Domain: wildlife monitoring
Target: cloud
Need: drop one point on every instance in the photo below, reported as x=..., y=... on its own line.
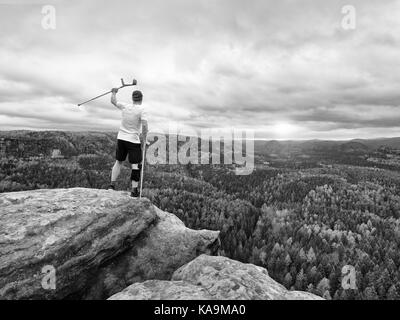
x=205, y=64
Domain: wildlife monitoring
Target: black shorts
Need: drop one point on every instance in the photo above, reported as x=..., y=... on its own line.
x=126, y=148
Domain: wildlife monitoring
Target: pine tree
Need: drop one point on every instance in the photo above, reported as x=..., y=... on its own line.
x=327, y=295
x=370, y=294
x=288, y=280
x=288, y=260
x=323, y=286
x=300, y=280
x=302, y=254
x=392, y=293
x=311, y=255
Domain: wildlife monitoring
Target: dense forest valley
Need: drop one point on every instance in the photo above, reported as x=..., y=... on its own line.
x=308, y=209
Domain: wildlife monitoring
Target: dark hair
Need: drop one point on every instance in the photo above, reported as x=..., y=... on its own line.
x=137, y=96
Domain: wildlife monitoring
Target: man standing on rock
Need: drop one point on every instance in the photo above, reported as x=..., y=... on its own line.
x=134, y=120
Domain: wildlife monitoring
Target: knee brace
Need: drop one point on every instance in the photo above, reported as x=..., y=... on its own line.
x=135, y=175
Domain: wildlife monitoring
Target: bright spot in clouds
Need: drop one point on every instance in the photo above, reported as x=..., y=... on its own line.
x=284, y=130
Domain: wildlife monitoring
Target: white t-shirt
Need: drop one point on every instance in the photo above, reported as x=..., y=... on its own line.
x=132, y=117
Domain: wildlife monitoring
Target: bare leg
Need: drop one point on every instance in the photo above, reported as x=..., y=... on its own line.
x=116, y=170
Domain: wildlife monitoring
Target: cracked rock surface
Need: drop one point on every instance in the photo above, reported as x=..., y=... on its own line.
x=98, y=242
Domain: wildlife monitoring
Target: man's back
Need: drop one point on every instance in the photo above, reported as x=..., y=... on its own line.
x=132, y=117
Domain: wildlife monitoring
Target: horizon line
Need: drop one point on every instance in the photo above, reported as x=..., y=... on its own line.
x=255, y=139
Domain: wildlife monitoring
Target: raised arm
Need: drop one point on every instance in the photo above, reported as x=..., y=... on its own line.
x=114, y=98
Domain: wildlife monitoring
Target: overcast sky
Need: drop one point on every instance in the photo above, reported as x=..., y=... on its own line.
x=286, y=69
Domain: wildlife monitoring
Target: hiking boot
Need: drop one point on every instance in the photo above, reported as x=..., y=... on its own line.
x=135, y=193
x=111, y=187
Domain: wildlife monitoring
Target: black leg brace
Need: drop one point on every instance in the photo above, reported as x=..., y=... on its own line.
x=135, y=175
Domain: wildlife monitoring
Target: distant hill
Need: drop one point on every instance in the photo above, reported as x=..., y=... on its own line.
x=376, y=143
x=34, y=143
x=24, y=144
x=324, y=146
x=354, y=146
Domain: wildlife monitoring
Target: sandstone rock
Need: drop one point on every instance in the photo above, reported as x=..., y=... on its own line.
x=215, y=278
x=224, y=278
x=162, y=290
x=98, y=241
x=156, y=255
